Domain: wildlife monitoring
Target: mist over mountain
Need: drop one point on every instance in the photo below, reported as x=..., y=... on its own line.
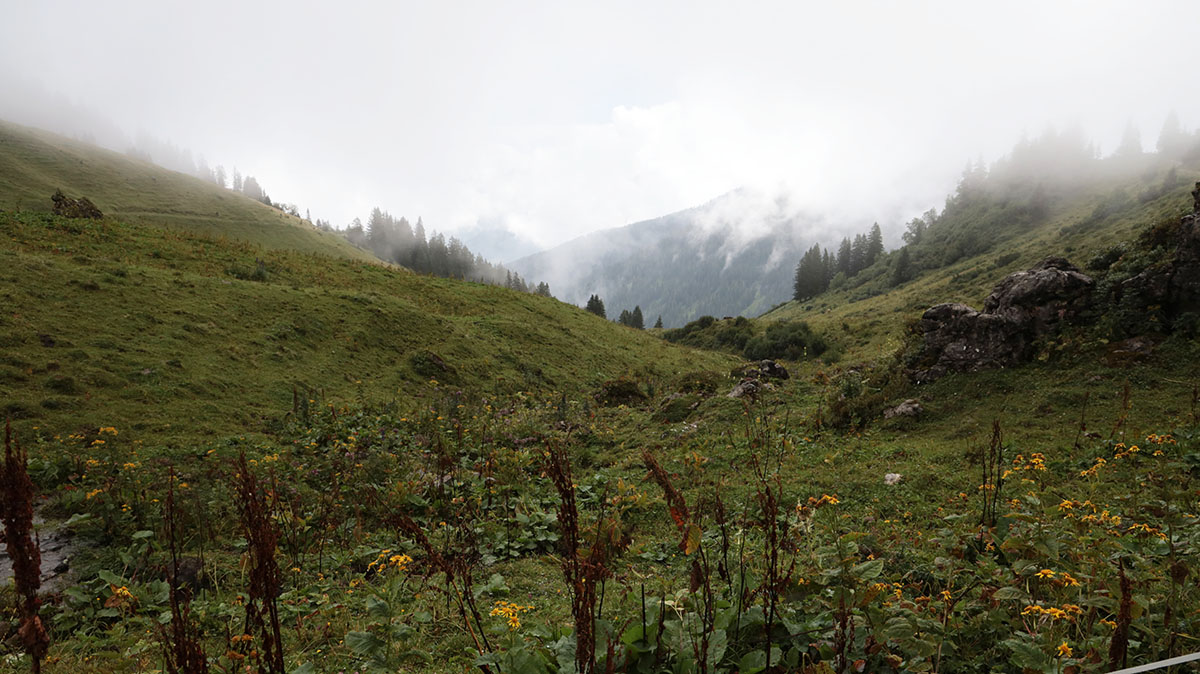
x=497, y=242
x=734, y=255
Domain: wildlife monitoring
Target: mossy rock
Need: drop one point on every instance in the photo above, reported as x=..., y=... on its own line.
x=431, y=366
x=705, y=383
x=621, y=391
x=678, y=408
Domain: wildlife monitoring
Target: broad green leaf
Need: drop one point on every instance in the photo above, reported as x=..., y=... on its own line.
x=1006, y=593
x=378, y=608
x=753, y=662
x=364, y=644
x=868, y=570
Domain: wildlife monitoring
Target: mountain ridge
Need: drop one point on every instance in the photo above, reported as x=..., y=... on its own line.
x=738, y=250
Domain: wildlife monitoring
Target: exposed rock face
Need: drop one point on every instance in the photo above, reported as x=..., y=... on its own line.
x=1174, y=286
x=1024, y=306
x=74, y=208
x=1041, y=297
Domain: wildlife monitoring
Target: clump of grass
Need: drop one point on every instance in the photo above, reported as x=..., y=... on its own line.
x=17, y=503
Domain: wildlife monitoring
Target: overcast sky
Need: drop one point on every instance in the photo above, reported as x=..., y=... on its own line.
x=557, y=118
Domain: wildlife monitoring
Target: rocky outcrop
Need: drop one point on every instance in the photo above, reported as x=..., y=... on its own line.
x=1173, y=285
x=1022, y=308
x=74, y=208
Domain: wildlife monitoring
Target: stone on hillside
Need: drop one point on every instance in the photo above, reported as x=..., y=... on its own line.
x=1129, y=351
x=908, y=408
x=1041, y=297
x=761, y=369
x=619, y=392
x=747, y=388
x=892, y=479
x=1024, y=306
x=74, y=208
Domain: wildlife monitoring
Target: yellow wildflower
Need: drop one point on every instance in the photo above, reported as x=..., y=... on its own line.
x=1064, y=651
x=511, y=612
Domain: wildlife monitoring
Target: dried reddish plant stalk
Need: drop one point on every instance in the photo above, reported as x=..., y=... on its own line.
x=1119, y=646
x=184, y=652
x=262, y=610
x=17, y=503
x=456, y=565
x=675, y=502
x=582, y=572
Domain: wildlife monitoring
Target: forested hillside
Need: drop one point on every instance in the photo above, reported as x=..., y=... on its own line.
x=705, y=260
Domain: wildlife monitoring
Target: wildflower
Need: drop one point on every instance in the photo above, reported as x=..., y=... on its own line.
x=946, y=595
x=1064, y=651
x=387, y=560
x=1068, y=580
x=93, y=492
x=1045, y=573
x=511, y=612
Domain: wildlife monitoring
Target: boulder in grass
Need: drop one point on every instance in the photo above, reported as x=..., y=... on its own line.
x=74, y=208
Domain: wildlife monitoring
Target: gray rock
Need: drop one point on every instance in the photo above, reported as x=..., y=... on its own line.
x=1024, y=306
x=908, y=408
x=746, y=388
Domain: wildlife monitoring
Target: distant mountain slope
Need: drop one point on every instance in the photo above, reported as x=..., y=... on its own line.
x=735, y=255
x=34, y=163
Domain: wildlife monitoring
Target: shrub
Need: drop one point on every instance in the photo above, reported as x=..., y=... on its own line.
x=258, y=273
x=787, y=340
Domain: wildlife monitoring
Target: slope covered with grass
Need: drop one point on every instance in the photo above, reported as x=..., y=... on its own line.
x=866, y=318
x=179, y=335
x=35, y=163
x=449, y=495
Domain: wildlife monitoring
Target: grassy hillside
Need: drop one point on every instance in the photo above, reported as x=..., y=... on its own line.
x=178, y=335
x=867, y=319
x=445, y=493
x=34, y=163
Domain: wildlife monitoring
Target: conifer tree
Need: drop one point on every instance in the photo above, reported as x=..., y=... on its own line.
x=903, y=270
x=874, y=245
x=658, y=323
x=845, y=257
x=596, y=306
